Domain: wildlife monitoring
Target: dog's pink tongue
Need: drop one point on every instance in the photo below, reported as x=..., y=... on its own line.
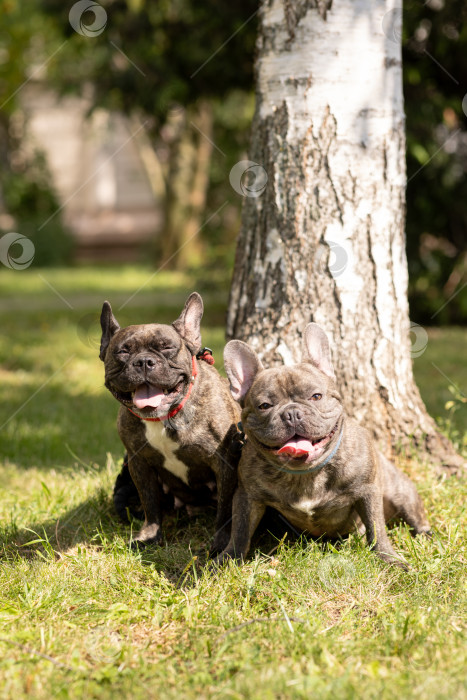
x=296, y=448
x=147, y=395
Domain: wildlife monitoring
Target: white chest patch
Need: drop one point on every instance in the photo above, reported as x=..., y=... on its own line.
x=306, y=506
x=157, y=437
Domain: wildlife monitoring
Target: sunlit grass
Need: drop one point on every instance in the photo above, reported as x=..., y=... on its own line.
x=83, y=616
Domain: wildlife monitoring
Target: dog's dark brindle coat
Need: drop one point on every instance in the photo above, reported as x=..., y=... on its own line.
x=189, y=452
x=306, y=458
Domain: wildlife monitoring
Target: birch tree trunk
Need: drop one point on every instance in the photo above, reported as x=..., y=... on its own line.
x=323, y=240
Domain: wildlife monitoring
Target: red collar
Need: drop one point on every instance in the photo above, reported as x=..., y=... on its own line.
x=178, y=408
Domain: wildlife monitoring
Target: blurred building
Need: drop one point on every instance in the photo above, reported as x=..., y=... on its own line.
x=104, y=171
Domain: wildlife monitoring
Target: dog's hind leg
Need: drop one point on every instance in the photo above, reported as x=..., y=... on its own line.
x=402, y=501
x=370, y=509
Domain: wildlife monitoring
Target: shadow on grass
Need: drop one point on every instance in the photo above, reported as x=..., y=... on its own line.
x=87, y=523
x=52, y=409
x=93, y=523
x=57, y=424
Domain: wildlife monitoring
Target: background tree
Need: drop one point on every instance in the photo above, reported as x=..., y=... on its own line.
x=324, y=239
x=157, y=54
x=155, y=60
x=435, y=84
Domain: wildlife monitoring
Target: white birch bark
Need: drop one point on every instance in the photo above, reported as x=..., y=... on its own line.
x=325, y=240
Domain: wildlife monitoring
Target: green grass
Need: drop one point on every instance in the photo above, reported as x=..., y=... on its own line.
x=441, y=373
x=82, y=616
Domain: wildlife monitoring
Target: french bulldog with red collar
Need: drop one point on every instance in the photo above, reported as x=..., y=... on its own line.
x=177, y=419
x=307, y=459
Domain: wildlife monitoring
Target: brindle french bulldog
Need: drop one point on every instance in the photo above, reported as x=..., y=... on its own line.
x=177, y=418
x=306, y=458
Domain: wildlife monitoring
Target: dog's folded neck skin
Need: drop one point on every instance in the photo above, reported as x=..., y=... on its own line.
x=293, y=416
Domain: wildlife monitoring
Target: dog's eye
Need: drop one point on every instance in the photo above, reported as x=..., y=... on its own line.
x=264, y=406
x=122, y=351
x=316, y=397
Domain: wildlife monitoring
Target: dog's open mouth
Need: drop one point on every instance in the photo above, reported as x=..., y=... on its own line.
x=150, y=397
x=302, y=448
x=153, y=397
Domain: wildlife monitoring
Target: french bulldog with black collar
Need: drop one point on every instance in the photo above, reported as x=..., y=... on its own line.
x=177, y=418
x=306, y=458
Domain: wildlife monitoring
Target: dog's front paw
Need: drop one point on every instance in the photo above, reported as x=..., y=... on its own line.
x=125, y=496
x=394, y=560
x=427, y=532
x=148, y=535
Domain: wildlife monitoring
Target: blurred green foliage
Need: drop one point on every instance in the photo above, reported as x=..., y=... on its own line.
x=153, y=56
x=158, y=53
x=29, y=198
x=28, y=38
x=435, y=87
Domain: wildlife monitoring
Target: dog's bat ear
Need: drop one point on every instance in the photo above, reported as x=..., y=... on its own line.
x=188, y=323
x=242, y=365
x=317, y=349
x=109, y=327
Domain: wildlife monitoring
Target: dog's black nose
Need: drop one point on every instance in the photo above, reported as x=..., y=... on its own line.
x=292, y=415
x=146, y=363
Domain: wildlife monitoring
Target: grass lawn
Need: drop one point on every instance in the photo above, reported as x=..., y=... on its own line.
x=82, y=616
